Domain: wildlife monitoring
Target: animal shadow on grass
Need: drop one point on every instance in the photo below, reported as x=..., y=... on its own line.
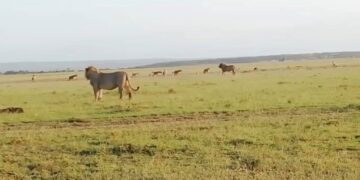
x=117, y=109
x=76, y=120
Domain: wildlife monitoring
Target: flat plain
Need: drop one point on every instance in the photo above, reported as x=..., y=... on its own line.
x=285, y=120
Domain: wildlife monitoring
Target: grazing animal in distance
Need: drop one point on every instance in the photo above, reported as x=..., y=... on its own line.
x=33, y=78
x=333, y=64
x=205, y=71
x=73, y=77
x=108, y=81
x=227, y=68
x=255, y=68
x=176, y=72
x=155, y=73
x=134, y=74
x=164, y=72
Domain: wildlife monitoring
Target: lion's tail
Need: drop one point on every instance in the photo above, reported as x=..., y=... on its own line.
x=128, y=81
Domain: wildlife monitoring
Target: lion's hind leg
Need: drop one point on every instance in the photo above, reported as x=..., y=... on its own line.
x=128, y=89
x=129, y=92
x=121, y=89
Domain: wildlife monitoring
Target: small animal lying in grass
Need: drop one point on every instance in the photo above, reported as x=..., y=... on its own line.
x=108, y=81
x=12, y=110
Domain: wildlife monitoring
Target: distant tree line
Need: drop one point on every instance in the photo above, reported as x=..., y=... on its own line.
x=34, y=72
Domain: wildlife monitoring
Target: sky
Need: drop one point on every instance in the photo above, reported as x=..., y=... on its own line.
x=80, y=30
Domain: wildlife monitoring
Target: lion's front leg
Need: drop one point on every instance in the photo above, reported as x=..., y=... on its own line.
x=100, y=93
x=96, y=93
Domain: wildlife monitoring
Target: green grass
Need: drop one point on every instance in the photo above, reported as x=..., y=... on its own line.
x=54, y=98
x=274, y=124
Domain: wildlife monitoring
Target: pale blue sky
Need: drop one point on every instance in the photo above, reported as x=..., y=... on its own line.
x=65, y=30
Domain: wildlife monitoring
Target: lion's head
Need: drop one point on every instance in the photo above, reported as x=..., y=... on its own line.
x=89, y=70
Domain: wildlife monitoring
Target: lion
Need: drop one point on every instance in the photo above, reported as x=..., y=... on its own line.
x=227, y=68
x=108, y=81
x=176, y=72
x=205, y=71
x=73, y=77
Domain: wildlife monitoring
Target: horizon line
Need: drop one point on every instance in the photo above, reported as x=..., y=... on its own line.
x=181, y=59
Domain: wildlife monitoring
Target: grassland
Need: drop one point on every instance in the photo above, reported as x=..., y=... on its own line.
x=274, y=123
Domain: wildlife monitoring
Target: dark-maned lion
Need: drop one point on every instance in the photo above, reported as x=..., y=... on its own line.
x=227, y=68
x=155, y=73
x=108, y=81
x=176, y=72
x=72, y=77
x=205, y=71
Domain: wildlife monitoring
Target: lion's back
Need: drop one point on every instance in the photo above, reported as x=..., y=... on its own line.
x=112, y=80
